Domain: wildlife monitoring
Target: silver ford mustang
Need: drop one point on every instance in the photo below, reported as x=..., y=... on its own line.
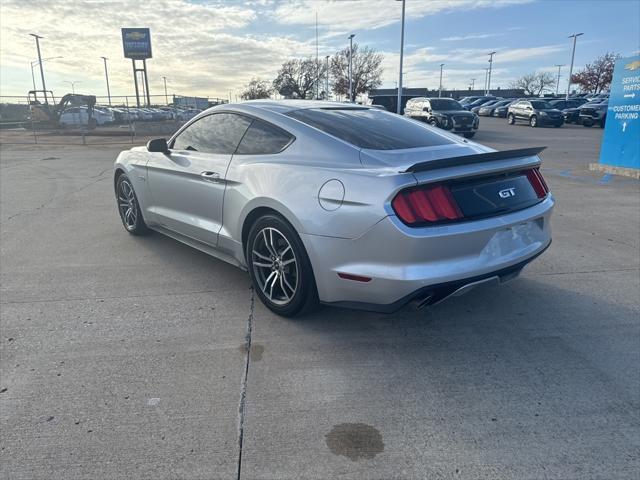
x=338, y=203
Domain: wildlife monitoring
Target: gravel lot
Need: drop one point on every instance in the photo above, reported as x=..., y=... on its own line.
x=126, y=358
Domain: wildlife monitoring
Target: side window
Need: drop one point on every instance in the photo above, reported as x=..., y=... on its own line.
x=263, y=139
x=216, y=133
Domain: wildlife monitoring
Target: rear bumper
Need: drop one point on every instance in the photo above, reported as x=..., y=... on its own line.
x=404, y=263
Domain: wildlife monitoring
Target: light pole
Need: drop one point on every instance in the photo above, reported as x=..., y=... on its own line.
x=486, y=74
x=473, y=83
x=73, y=85
x=558, y=82
x=491, y=54
x=33, y=64
x=44, y=88
x=350, y=55
x=166, y=97
x=399, y=108
x=573, y=54
x=440, y=90
x=106, y=76
x=327, y=78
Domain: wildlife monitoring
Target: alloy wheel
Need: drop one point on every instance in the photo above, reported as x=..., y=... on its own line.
x=127, y=205
x=275, y=266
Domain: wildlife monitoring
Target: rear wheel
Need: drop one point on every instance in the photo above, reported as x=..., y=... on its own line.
x=280, y=268
x=511, y=119
x=128, y=207
x=533, y=121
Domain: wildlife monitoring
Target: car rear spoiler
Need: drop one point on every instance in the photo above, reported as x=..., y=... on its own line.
x=475, y=158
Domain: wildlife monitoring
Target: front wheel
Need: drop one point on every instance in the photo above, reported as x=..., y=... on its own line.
x=469, y=134
x=533, y=121
x=129, y=208
x=280, y=268
x=511, y=119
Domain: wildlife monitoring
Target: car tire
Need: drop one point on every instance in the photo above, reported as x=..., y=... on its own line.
x=129, y=208
x=280, y=268
x=433, y=122
x=603, y=122
x=469, y=134
x=557, y=125
x=587, y=124
x=511, y=119
x=533, y=121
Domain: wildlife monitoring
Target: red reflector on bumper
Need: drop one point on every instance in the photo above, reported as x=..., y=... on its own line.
x=355, y=278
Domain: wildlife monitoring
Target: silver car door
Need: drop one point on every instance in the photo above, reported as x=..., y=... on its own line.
x=187, y=185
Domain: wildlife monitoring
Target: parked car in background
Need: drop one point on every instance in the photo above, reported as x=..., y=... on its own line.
x=535, y=112
x=478, y=107
x=79, y=116
x=323, y=202
x=480, y=101
x=444, y=113
x=487, y=109
x=591, y=114
x=501, y=111
x=572, y=114
x=562, y=104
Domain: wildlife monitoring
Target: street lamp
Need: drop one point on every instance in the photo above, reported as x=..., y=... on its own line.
x=573, y=54
x=486, y=75
x=166, y=97
x=36, y=62
x=44, y=88
x=73, y=85
x=350, y=63
x=399, y=107
x=491, y=54
x=327, y=79
x=440, y=90
x=106, y=76
x=558, y=82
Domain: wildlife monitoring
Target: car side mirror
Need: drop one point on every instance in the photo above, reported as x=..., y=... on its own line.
x=158, y=145
x=426, y=109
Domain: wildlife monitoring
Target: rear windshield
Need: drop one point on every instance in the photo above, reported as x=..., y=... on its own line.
x=371, y=129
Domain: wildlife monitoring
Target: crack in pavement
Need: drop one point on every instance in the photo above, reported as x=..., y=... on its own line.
x=53, y=199
x=243, y=385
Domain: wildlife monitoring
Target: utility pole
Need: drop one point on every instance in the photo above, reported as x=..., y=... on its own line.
x=491, y=54
x=558, y=82
x=350, y=66
x=317, y=62
x=44, y=87
x=573, y=54
x=399, y=107
x=106, y=76
x=440, y=90
x=327, y=78
x=166, y=97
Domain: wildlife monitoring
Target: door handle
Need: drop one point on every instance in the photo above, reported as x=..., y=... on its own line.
x=210, y=176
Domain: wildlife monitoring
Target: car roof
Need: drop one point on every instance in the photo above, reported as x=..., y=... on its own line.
x=284, y=106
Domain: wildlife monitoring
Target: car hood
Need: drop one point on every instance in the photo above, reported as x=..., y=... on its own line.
x=453, y=112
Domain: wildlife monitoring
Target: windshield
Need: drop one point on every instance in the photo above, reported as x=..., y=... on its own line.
x=370, y=128
x=445, y=104
x=541, y=105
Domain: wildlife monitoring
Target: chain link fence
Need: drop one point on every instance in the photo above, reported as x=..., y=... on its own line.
x=113, y=120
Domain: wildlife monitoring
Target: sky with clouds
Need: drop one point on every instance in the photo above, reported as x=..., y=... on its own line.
x=214, y=47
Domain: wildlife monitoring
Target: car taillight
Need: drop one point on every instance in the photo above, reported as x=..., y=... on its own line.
x=426, y=204
x=537, y=182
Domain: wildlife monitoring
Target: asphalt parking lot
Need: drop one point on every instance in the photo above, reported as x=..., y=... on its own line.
x=126, y=357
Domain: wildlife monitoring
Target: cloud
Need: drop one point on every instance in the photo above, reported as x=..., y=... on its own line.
x=352, y=15
x=200, y=48
x=476, y=36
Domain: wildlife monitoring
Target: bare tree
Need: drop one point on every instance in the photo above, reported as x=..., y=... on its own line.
x=256, y=89
x=534, y=84
x=366, y=70
x=297, y=78
x=596, y=77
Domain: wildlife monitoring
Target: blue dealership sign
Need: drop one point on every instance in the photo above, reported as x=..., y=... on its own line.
x=621, y=142
x=136, y=43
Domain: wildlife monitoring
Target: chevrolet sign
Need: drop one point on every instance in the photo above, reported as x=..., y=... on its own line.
x=136, y=43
